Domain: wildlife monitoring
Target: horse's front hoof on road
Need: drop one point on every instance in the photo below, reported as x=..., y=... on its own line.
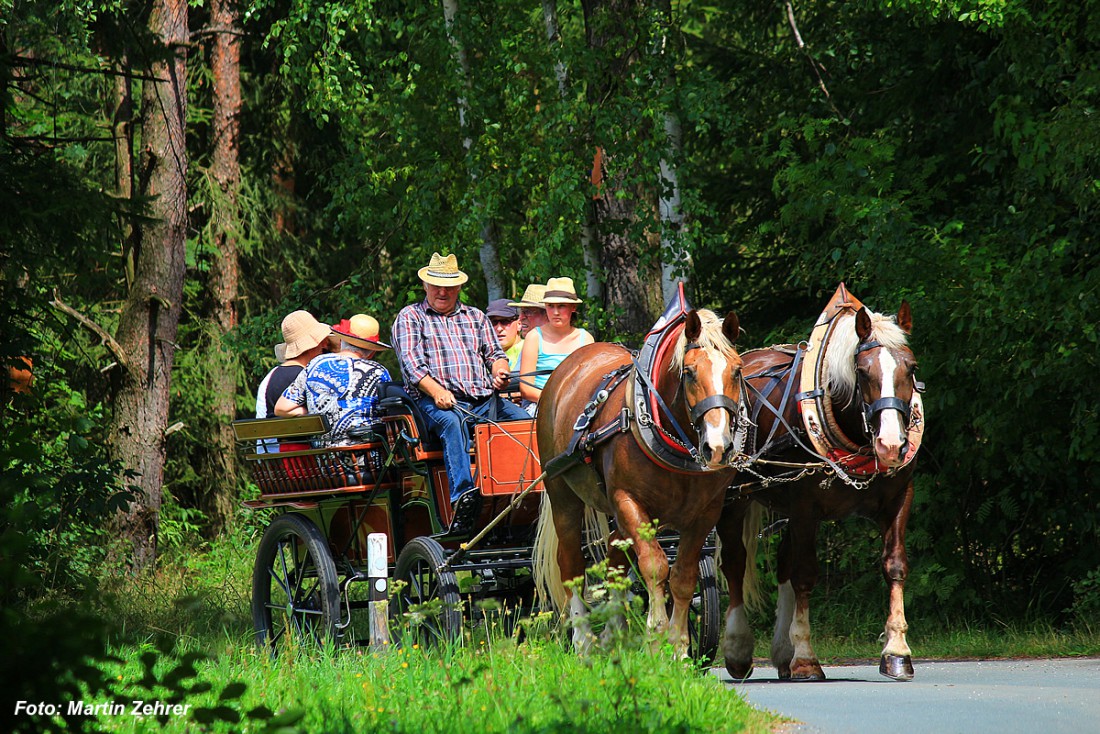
x=739, y=671
x=806, y=671
x=898, y=667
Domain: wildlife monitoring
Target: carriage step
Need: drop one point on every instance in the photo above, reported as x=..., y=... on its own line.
x=467, y=509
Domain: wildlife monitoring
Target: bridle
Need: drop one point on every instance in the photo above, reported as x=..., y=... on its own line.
x=872, y=412
x=735, y=409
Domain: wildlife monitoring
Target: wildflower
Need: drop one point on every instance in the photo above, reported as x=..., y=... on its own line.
x=404, y=665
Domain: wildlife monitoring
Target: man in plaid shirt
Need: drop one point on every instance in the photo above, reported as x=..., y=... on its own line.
x=450, y=358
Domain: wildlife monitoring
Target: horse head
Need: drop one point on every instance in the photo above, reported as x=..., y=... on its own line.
x=710, y=382
x=885, y=376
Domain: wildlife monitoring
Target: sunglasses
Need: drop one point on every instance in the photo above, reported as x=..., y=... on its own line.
x=501, y=322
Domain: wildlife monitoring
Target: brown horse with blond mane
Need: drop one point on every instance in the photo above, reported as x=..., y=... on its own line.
x=699, y=383
x=838, y=427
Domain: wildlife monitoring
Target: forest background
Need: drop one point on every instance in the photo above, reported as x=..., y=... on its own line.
x=177, y=176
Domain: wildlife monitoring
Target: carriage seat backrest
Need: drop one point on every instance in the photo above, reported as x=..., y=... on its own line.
x=394, y=400
x=260, y=429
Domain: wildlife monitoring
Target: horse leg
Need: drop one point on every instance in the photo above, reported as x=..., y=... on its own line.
x=737, y=638
x=652, y=561
x=796, y=658
x=896, y=661
x=568, y=511
x=682, y=581
x=782, y=651
x=618, y=560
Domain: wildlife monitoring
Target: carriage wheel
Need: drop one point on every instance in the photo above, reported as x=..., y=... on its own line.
x=295, y=594
x=705, y=614
x=429, y=598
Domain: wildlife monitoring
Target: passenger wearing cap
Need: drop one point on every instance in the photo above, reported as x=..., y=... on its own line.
x=548, y=345
x=532, y=311
x=451, y=362
x=505, y=320
x=303, y=339
x=342, y=385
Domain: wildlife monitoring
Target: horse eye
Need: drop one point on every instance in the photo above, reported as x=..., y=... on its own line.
x=689, y=373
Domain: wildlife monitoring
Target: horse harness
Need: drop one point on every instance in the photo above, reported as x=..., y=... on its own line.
x=646, y=425
x=838, y=454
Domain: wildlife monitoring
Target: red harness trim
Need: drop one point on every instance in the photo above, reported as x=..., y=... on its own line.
x=666, y=344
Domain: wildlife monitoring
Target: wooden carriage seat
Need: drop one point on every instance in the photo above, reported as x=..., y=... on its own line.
x=302, y=470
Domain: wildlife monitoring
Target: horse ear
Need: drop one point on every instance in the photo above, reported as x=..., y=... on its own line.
x=693, y=327
x=905, y=318
x=863, y=324
x=731, y=327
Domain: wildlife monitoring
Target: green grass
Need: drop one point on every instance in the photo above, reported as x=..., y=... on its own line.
x=971, y=641
x=185, y=632
x=497, y=687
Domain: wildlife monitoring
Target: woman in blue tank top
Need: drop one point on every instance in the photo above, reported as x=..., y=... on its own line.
x=548, y=345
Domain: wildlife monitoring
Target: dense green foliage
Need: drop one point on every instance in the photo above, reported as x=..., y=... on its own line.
x=953, y=162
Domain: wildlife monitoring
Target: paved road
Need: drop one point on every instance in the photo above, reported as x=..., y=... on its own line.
x=1002, y=696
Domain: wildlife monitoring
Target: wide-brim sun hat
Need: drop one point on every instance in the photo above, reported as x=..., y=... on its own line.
x=442, y=271
x=560, y=290
x=301, y=332
x=531, y=298
x=361, y=331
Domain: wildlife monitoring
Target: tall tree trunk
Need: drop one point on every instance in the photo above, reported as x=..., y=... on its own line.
x=632, y=282
x=150, y=315
x=588, y=229
x=225, y=62
x=488, y=253
x=675, y=259
x=122, y=130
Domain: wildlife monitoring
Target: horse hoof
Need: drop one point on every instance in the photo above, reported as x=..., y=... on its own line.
x=739, y=671
x=898, y=667
x=806, y=671
x=783, y=672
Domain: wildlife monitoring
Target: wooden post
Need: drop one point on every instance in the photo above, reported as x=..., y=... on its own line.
x=378, y=578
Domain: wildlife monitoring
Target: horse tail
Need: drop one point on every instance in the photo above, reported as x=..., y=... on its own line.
x=750, y=536
x=549, y=590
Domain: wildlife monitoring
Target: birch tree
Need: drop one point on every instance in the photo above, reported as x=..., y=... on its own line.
x=588, y=234
x=487, y=254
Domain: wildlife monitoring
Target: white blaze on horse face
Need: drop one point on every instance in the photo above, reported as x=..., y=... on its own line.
x=716, y=437
x=891, y=434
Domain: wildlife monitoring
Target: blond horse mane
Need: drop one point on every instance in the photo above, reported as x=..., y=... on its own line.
x=710, y=337
x=840, y=364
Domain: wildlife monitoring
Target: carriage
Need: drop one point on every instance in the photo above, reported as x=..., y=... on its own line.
x=326, y=503
x=311, y=582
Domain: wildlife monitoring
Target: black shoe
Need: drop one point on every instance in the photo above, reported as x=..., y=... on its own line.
x=467, y=510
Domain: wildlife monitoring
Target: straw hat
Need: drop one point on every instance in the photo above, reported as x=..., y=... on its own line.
x=362, y=331
x=443, y=271
x=301, y=332
x=560, y=290
x=531, y=298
